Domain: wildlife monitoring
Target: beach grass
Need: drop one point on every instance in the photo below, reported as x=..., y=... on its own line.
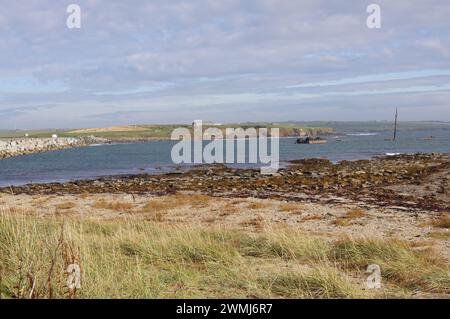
x=442, y=221
x=131, y=258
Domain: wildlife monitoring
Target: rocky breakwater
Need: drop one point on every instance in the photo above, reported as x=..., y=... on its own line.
x=23, y=146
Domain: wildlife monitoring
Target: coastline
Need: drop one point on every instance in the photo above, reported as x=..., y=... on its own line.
x=381, y=181
x=12, y=147
x=237, y=159
x=390, y=210
x=32, y=142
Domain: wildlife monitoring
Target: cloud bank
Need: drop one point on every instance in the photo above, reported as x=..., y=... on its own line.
x=228, y=61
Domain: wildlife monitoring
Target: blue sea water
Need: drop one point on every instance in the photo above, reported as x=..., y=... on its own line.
x=154, y=157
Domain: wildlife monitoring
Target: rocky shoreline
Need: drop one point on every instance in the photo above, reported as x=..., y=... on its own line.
x=417, y=182
x=23, y=146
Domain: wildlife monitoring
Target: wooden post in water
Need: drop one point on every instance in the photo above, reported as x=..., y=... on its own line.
x=395, y=125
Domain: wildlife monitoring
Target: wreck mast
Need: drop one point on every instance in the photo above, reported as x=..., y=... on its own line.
x=395, y=125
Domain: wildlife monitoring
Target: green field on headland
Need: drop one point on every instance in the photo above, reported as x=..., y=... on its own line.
x=149, y=132
x=163, y=131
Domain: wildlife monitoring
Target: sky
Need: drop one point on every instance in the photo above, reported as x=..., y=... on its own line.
x=155, y=61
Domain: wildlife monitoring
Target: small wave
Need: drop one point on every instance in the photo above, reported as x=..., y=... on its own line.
x=392, y=154
x=102, y=144
x=362, y=134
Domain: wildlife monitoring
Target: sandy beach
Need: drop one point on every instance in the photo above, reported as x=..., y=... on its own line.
x=394, y=207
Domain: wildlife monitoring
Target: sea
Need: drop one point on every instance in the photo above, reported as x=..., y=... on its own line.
x=154, y=157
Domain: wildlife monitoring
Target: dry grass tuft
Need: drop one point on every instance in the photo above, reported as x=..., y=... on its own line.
x=257, y=205
x=192, y=200
x=157, y=205
x=292, y=207
x=443, y=221
x=323, y=282
x=443, y=235
x=117, y=206
x=132, y=258
x=400, y=263
x=66, y=205
x=349, y=217
x=355, y=213
x=257, y=222
x=40, y=201
x=340, y=221
x=155, y=217
x=229, y=209
x=313, y=217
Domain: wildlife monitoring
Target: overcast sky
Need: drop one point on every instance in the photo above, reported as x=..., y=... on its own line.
x=155, y=61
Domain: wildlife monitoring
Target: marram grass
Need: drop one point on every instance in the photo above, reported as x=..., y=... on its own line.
x=139, y=259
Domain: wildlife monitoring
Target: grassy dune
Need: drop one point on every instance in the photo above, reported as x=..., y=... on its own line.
x=126, y=258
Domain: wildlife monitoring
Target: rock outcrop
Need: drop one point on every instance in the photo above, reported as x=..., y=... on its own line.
x=23, y=146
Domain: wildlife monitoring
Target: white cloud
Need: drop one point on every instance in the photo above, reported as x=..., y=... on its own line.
x=232, y=54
